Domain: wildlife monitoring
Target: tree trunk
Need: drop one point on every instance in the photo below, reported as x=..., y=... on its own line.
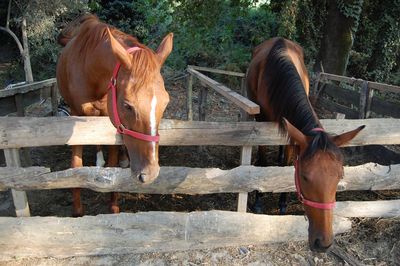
x=25, y=55
x=337, y=41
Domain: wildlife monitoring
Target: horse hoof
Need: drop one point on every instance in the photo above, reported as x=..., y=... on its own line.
x=114, y=209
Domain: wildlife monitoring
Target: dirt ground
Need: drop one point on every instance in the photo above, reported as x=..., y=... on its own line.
x=370, y=242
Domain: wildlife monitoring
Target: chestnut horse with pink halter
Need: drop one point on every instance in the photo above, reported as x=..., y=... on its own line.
x=104, y=72
x=277, y=80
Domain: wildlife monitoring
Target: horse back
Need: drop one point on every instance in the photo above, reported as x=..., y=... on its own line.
x=82, y=75
x=256, y=86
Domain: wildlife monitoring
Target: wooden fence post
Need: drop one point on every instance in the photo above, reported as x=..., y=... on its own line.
x=243, y=114
x=369, y=102
x=189, y=97
x=363, y=100
x=19, y=104
x=18, y=98
x=203, y=103
x=54, y=99
x=245, y=157
x=19, y=197
x=245, y=160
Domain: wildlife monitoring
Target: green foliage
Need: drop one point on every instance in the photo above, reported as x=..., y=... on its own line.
x=124, y=15
x=222, y=33
x=376, y=49
x=351, y=9
x=44, y=19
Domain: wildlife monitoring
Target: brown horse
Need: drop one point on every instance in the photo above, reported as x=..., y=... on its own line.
x=277, y=80
x=135, y=98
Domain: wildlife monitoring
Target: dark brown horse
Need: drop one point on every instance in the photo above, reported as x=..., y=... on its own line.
x=135, y=98
x=277, y=80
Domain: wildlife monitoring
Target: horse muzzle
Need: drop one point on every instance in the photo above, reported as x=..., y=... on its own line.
x=146, y=175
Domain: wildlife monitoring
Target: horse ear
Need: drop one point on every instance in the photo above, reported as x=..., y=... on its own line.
x=347, y=136
x=165, y=47
x=119, y=51
x=296, y=135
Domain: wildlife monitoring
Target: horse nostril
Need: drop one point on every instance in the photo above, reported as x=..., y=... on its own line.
x=318, y=247
x=143, y=177
x=317, y=244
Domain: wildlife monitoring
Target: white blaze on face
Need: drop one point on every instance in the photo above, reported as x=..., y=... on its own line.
x=153, y=123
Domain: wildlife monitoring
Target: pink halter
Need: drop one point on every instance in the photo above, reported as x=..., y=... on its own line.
x=318, y=205
x=121, y=129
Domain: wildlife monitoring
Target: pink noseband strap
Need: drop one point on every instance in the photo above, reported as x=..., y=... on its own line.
x=120, y=127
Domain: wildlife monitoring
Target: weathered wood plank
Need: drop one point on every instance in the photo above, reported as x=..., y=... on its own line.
x=335, y=107
x=27, y=87
x=146, y=232
x=217, y=71
x=373, y=85
x=368, y=209
x=187, y=180
x=344, y=95
x=19, y=172
x=385, y=107
x=16, y=132
x=242, y=102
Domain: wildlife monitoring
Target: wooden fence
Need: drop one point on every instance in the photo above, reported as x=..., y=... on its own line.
x=359, y=103
x=166, y=231
x=18, y=97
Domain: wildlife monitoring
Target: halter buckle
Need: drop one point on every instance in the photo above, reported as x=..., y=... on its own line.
x=121, y=128
x=113, y=81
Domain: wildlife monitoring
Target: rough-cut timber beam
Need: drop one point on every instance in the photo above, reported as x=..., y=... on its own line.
x=12, y=173
x=146, y=232
x=187, y=180
x=27, y=87
x=239, y=100
x=368, y=209
x=17, y=132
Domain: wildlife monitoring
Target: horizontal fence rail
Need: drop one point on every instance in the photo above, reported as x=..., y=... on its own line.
x=17, y=132
x=146, y=232
x=371, y=84
x=237, y=99
x=20, y=89
x=218, y=71
x=187, y=180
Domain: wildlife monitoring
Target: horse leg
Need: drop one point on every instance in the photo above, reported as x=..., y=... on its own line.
x=261, y=161
x=113, y=162
x=283, y=196
x=76, y=192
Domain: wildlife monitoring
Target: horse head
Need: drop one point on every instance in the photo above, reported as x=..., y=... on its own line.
x=319, y=168
x=139, y=103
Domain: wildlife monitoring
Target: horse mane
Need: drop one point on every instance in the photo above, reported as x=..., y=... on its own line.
x=90, y=32
x=288, y=99
x=72, y=28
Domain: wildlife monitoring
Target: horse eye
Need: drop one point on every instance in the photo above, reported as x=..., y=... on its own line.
x=128, y=107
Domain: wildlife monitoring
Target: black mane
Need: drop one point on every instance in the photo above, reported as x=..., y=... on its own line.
x=288, y=99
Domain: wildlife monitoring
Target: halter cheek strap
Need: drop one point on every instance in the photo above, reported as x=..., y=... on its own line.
x=302, y=199
x=121, y=129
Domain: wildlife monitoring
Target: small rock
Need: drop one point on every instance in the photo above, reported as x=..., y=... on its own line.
x=244, y=251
